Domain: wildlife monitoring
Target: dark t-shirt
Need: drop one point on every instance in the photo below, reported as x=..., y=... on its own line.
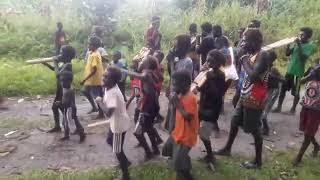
x=206, y=45
x=149, y=101
x=211, y=96
x=212, y=90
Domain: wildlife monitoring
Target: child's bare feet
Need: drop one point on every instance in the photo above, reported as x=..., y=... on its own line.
x=65, y=138
x=315, y=151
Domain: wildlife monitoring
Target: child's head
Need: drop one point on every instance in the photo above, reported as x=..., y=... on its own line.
x=215, y=59
x=217, y=31
x=59, y=25
x=254, y=24
x=116, y=55
x=155, y=21
x=111, y=77
x=181, y=82
x=316, y=72
x=252, y=40
x=193, y=28
x=66, y=78
x=272, y=57
x=94, y=43
x=206, y=28
x=149, y=63
x=182, y=45
x=305, y=34
x=67, y=53
x=159, y=55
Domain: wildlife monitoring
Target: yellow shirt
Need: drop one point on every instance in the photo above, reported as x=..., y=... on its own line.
x=94, y=60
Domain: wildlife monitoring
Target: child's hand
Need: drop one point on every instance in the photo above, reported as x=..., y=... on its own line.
x=57, y=103
x=98, y=99
x=187, y=116
x=82, y=82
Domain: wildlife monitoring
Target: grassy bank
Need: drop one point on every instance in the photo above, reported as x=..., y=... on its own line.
x=277, y=167
x=19, y=79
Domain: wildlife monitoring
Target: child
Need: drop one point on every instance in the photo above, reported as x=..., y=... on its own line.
x=68, y=103
x=184, y=134
x=93, y=75
x=61, y=62
x=211, y=101
x=120, y=63
x=60, y=38
x=149, y=105
x=274, y=81
x=113, y=106
x=135, y=86
x=310, y=112
x=160, y=72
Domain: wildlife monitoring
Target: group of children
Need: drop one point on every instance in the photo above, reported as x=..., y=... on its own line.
x=186, y=118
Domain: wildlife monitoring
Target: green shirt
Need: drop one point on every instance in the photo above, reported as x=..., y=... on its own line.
x=296, y=66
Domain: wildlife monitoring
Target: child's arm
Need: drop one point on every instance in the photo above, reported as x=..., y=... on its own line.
x=48, y=66
x=94, y=70
x=130, y=100
x=140, y=76
x=107, y=111
x=174, y=99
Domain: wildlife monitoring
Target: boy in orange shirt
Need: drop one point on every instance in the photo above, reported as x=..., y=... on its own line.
x=186, y=128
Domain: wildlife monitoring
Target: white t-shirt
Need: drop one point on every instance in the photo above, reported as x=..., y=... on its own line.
x=119, y=120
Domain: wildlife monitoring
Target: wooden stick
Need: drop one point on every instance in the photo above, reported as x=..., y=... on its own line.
x=42, y=60
x=98, y=123
x=278, y=44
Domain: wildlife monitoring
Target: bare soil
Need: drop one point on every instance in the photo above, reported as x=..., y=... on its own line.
x=36, y=149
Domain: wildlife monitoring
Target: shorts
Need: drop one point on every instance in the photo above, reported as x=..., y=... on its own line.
x=292, y=83
x=181, y=160
x=94, y=91
x=145, y=122
x=118, y=140
x=309, y=121
x=249, y=119
x=212, y=114
x=205, y=130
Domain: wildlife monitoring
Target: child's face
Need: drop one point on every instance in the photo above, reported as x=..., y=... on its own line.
x=116, y=57
x=91, y=47
x=178, y=87
x=107, y=81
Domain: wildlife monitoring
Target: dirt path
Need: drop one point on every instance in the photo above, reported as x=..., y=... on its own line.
x=39, y=150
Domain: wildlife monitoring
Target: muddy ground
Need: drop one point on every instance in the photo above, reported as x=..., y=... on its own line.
x=36, y=149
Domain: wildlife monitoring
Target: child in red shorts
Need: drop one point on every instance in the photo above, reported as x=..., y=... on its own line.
x=310, y=112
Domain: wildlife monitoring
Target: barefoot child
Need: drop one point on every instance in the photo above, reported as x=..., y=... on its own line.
x=211, y=101
x=310, y=113
x=93, y=75
x=61, y=62
x=68, y=104
x=149, y=105
x=274, y=81
x=184, y=134
x=114, y=107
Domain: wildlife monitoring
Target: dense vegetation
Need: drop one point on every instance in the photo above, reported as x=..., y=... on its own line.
x=27, y=27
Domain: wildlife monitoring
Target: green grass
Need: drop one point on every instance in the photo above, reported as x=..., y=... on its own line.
x=20, y=79
x=277, y=166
